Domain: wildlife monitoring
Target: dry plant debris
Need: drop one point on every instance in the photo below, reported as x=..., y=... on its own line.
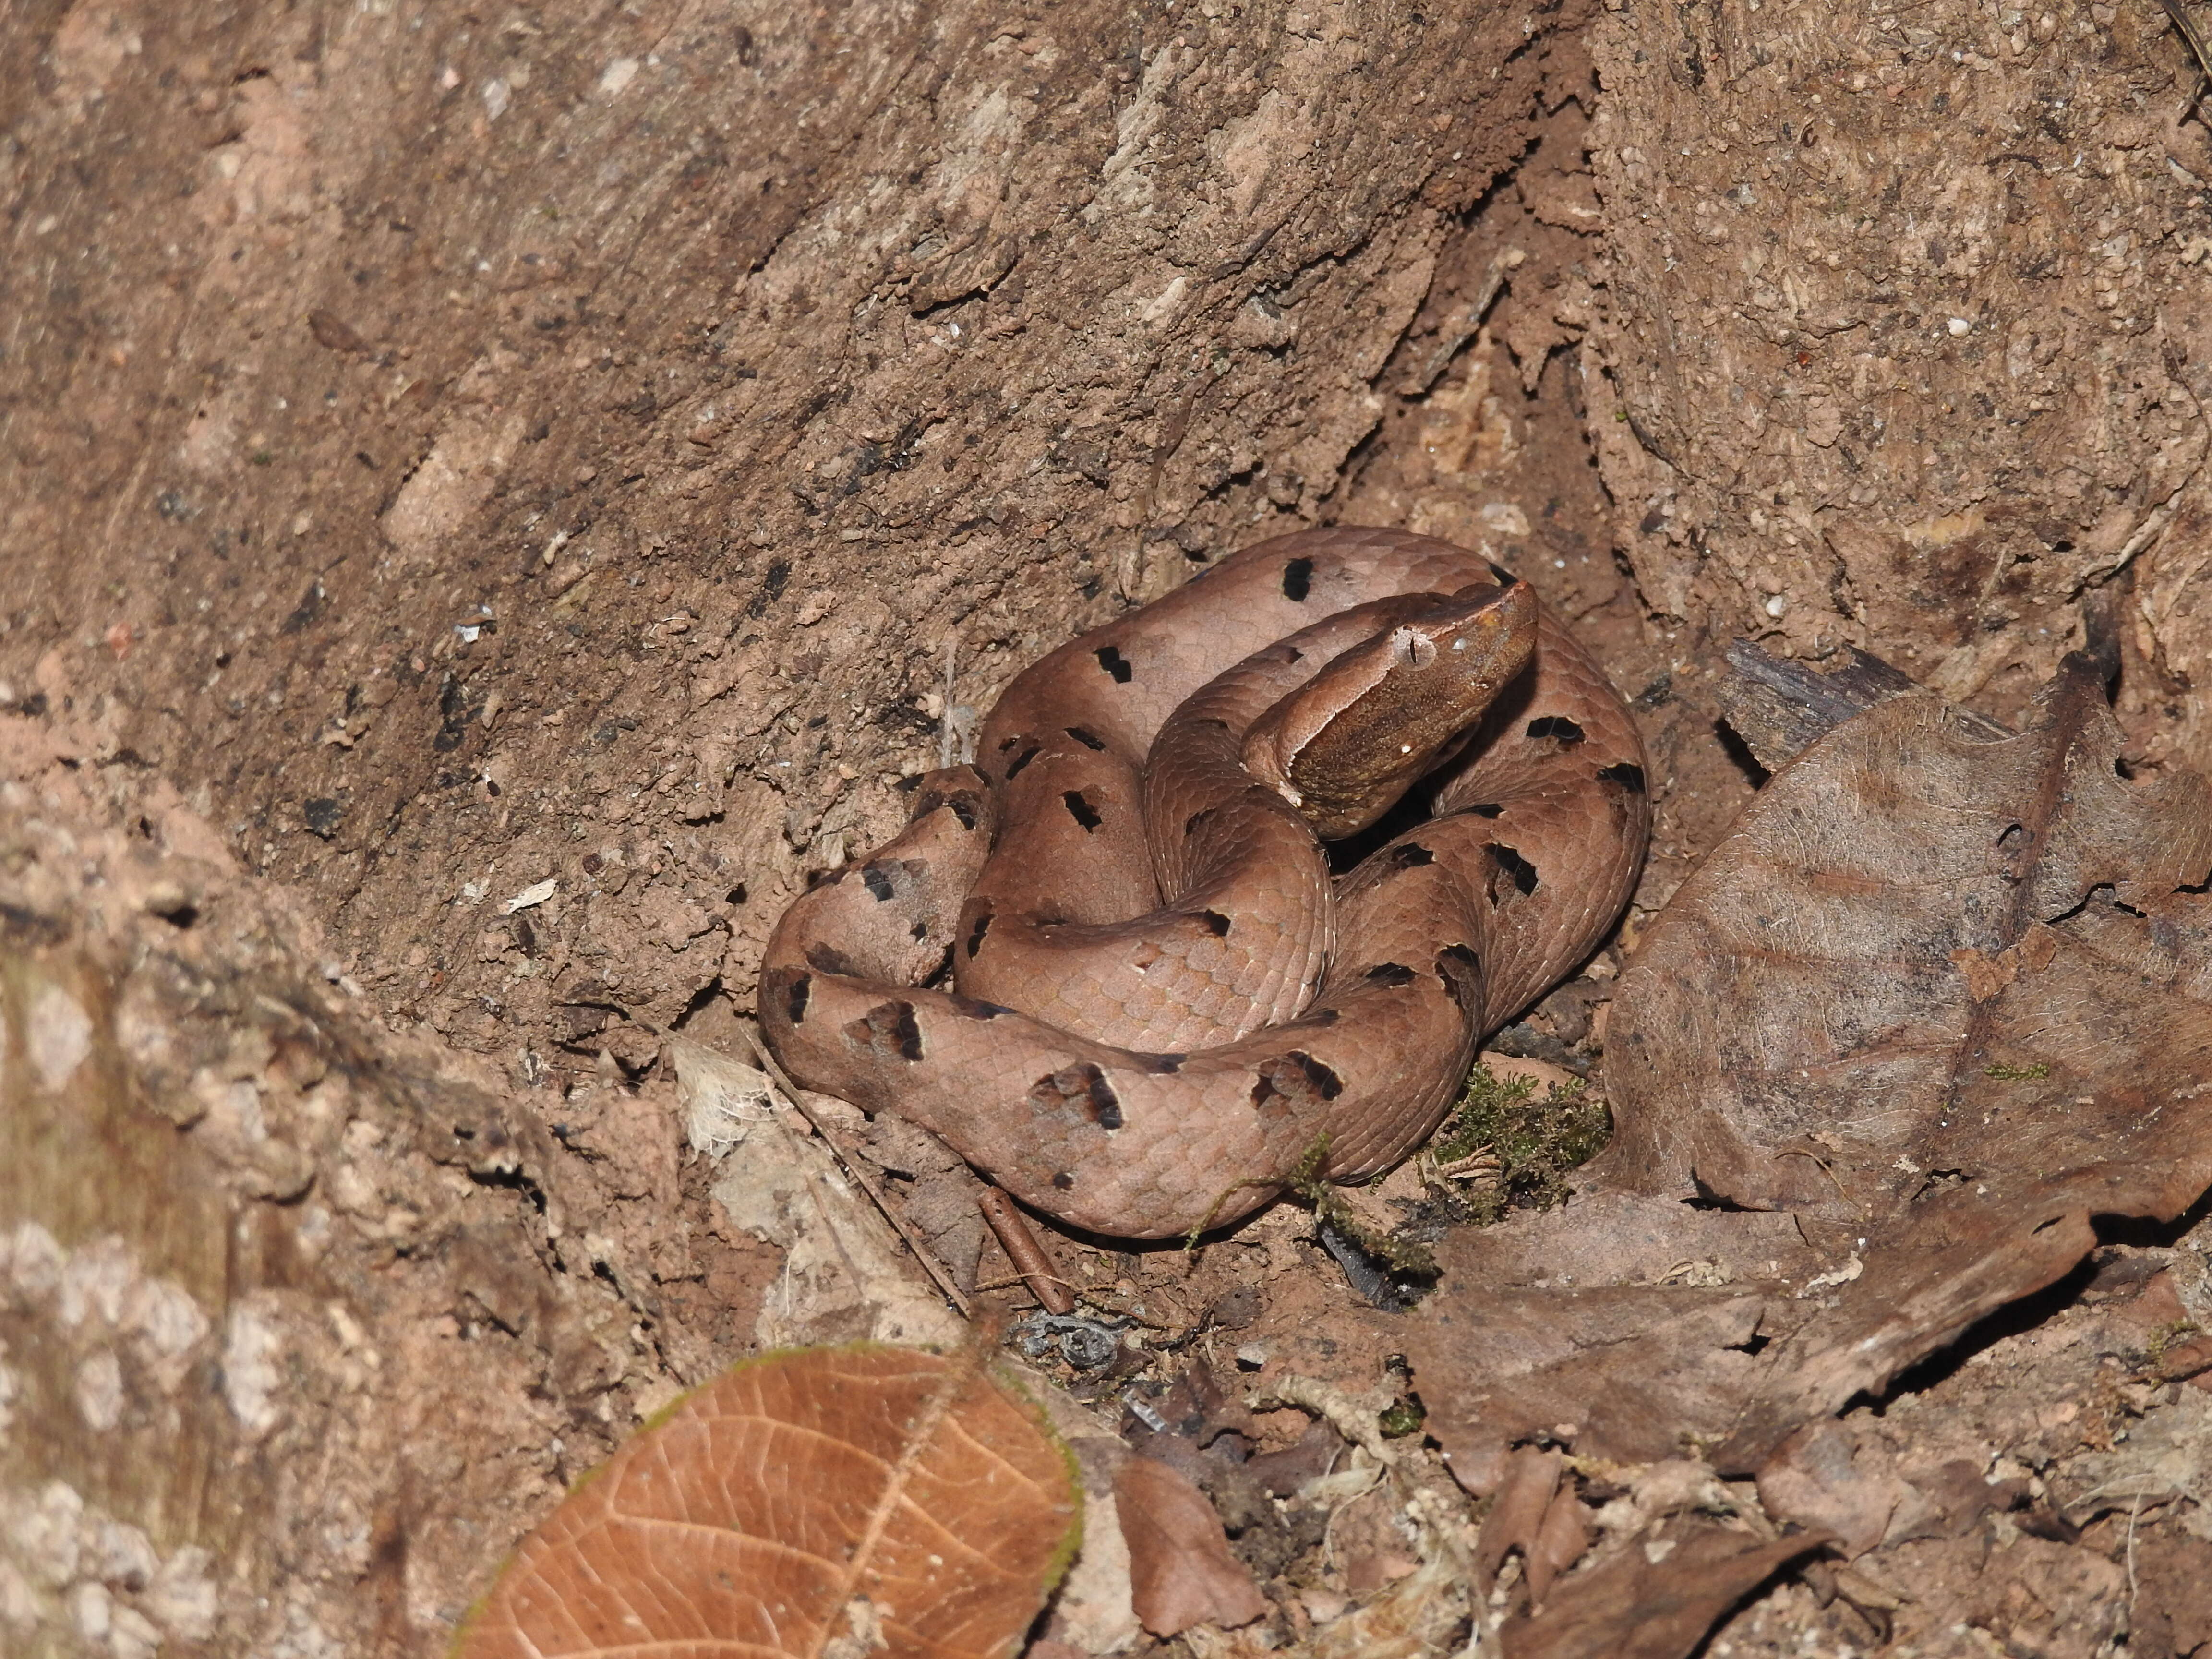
x=1936, y=1003
x=830, y=1500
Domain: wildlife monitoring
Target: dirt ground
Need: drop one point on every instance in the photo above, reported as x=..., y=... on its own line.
x=496, y=497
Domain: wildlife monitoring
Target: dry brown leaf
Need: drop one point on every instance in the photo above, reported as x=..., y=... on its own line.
x=1656, y=1598
x=1180, y=1566
x=1524, y=1495
x=862, y=1500
x=1924, y=956
x=1629, y=1319
x=1560, y=1539
x=1949, y=990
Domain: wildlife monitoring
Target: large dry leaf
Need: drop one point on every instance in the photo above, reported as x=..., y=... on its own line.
x=1950, y=990
x=856, y=1500
x=1922, y=957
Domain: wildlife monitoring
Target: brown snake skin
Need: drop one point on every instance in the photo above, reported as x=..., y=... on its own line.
x=1142, y=1078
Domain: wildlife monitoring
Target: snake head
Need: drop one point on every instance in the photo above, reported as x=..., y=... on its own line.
x=1347, y=744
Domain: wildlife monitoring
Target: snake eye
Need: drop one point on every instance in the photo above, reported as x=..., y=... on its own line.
x=1411, y=649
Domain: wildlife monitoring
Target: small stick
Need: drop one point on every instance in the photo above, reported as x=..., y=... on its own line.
x=946, y=726
x=859, y=1177
x=1012, y=1231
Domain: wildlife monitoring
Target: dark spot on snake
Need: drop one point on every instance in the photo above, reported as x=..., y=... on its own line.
x=1628, y=773
x=1509, y=860
x=829, y=959
x=1459, y=967
x=1506, y=578
x=1555, y=725
x=1020, y=761
x=1485, y=811
x=1412, y=854
x=1165, y=1065
x=1081, y=810
x=975, y=934
x=1105, y=1104
x=1190, y=824
x=1296, y=1075
x=1114, y=663
x=878, y=882
x=887, y=1027
x=974, y=1008
x=1390, y=973
x=1297, y=579
x=794, y=998
x=1084, y=1085
x=1064, y=1182
x=962, y=805
x=1087, y=739
x=1216, y=923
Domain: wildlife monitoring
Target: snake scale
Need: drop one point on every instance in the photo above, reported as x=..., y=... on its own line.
x=1108, y=962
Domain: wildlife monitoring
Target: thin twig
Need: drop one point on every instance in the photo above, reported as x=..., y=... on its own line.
x=1011, y=1229
x=930, y=1265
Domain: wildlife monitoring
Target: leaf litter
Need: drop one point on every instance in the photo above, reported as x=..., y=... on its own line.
x=1931, y=1015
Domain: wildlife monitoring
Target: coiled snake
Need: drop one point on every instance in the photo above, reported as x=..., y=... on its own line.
x=1161, y=1004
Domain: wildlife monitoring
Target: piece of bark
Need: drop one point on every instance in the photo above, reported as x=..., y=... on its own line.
x=1779, y=705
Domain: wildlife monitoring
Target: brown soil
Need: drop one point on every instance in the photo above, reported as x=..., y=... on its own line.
x=453, y=453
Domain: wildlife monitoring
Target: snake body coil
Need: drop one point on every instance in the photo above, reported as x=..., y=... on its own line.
x=1163, y=1004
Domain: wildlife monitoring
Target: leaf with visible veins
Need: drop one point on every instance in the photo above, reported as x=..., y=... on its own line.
x=1950, y=991
x=858, y=1500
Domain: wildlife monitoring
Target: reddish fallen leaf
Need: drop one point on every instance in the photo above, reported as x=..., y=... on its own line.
x=1655, y=1599
x=894, y=1500
x=1181, y=1571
